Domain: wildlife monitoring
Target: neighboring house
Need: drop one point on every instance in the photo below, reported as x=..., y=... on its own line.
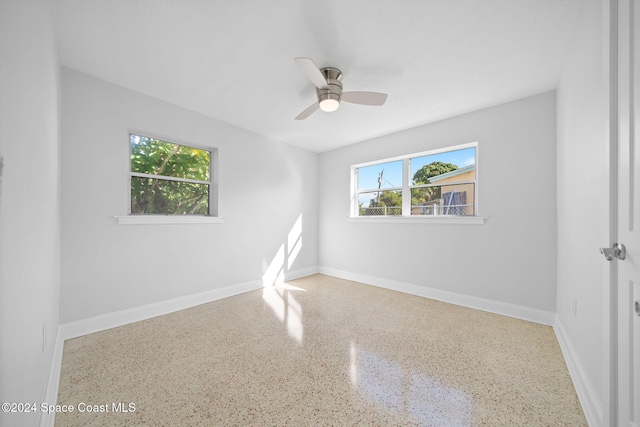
x=455, y=199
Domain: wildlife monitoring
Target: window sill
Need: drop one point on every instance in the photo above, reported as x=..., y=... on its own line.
x=168, y=219
x=421, y=220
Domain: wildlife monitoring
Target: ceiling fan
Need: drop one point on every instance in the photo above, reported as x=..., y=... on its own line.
x=329, y=89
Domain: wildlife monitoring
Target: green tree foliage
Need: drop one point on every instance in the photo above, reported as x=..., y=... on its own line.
x=423, y=195
x=432, y=169
x=387, y=199
x=150, y=195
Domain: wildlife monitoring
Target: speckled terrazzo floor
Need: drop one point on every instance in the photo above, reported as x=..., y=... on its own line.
x=320, y=351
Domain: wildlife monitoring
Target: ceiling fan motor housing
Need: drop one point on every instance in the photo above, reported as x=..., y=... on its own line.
x=329, y=97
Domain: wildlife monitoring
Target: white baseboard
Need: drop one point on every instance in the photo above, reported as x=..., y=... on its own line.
x=51, y=394
x=124, y=317
x=296, y=274
x=136, y=314
x=497, y=307
x=591, y=405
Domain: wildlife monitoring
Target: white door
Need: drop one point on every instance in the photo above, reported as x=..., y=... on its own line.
x=628, y=270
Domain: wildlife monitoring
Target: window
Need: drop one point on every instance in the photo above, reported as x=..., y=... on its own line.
x=433, y=183
x=170, y=179
x=380, y=189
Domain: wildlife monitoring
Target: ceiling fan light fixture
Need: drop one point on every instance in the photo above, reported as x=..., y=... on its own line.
x=329, y=99
x=328, y=105
x=328, y=83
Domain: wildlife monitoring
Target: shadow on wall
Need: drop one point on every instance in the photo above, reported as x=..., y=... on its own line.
x=276, y=293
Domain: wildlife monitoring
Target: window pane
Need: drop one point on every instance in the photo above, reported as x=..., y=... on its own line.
x=159, y=196
x=380, y=203
x=383, y=175
x=455, y=199
x=452, y=166
x=164, y=158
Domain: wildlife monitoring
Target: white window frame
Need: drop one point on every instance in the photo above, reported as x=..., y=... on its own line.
x=406, y=191
x=211, y=218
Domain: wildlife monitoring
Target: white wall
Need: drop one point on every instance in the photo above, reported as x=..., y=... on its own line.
x=511, y=258
x=264, y=187
x=29, y=208
x=583, y=195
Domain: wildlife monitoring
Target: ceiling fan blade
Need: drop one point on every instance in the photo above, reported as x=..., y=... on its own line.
x=306, y=113
x=364, y=98
x=312, y=72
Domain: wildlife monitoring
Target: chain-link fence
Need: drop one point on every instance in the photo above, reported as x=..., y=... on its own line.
x=381, y=211
x=435, y=209
x=463, y=210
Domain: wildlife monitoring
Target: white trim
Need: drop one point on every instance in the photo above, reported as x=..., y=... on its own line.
x=168, y=219
x=497, y=307
x=137, y=314
x=611, y=25
x=354, y=210
x=112, y=320
x=406, y=187
x=51, y=395
x=426, y=219
x=171, y=178
x=164, y=138
x=584, y=389
x=213, y=172
x=124, y=317
x=419, y=154
x=591, y=405
x=297, y=274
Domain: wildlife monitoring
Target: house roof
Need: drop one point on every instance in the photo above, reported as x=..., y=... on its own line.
x=456, y=172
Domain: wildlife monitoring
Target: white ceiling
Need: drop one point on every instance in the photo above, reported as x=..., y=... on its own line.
x=233, y=60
